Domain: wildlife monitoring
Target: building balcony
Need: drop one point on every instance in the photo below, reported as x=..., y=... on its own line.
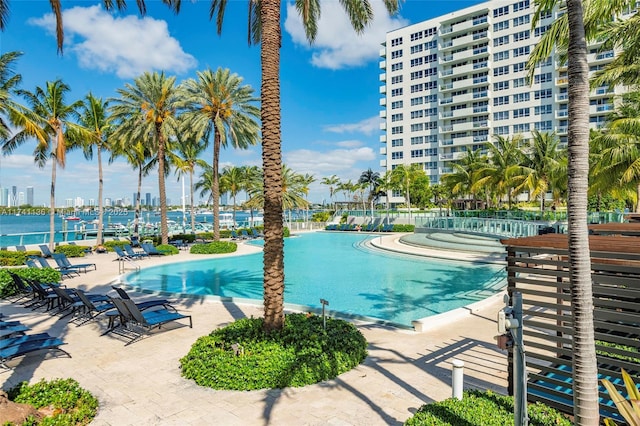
x=562, y=113
x=383, y=138
x=383, y=88
x=383, y=101
x=383, y=150
x=383, y=113
x=383, y=64
x=383, y=52
x=383, y=76
x=383, y=126
x=562, y=81
x=383, y=163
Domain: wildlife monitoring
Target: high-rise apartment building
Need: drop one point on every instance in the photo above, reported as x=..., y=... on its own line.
x=4, y=197
x=147, y=198
x=451, y=83
x=30, y=200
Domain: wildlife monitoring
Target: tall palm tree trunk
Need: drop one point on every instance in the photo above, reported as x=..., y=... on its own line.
x=215, y=185
x=192, y=210
x=138, y=210
x=100, y=205
x=52, y=204
x=272, y=166
x=638, y=198
x=585, y=371
x=164, y=229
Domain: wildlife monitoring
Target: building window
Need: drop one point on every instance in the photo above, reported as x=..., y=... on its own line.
x=416, y=101
x=416, y=88
x=520, y=51
x=521, y=20
x=396, y=117
x=397, y=104
x=416, y=36
x=396, y=92
x=430, y=32
x=543, y=109
x=397, y=155
x=519, y=67
x=521, y=97
x=546, y=14
x=416, y=62
x=501, y=56
x=396, y=54
x=431, y=98
x=501, y=100
x=539, y=31
x=417, y=153
x=542, y=78
x=397, y=130
x=543, y=125
x=521, y=5
x=522, y=35
x=417, y=48
x=433, y=44
x=431, y=85
x=396, y=67
x=396, y=142
x=417, y=140
x=396, y=79
x=521, y=112
x=542, y=94
x=501, y=115
x=502, y=130
x=502, y=25
x=430, y=112
x=430, y=125
x=432, y=139
x=500, y=11
x=521, y=128
x=519, y=82
x=417, y=114
x=501, y=70
x=500, y=41
x=396, y=42
x=501, y=85
x=417, y=127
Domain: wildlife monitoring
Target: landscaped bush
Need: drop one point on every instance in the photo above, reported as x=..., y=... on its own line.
x=187, y=238
x=12, y=258
x=321, y=216
x=71, y=250
x=45, y=275
x=242, y=356
x=167, y=249
x=286, y=232
x=110, y=244
x=71, y=404
x=482, y=409
x=398, y=227
x=216, y=247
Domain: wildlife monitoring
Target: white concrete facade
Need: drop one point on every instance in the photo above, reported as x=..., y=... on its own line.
x=451, y=83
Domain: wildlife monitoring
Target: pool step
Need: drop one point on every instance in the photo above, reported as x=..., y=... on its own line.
x=455, y=241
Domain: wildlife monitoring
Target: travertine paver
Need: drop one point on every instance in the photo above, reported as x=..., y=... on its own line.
x=141, y=384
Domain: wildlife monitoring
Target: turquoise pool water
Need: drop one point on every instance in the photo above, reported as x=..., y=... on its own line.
x=339, y=268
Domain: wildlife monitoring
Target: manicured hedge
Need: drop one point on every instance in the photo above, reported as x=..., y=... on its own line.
x=167, y=249
x=44, y=275
x=71, y=250
x=479, y=408
x=242, y=356
x=71, y=404
x=12, y=258
x=216, y=247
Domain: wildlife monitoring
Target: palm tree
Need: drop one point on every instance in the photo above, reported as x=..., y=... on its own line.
x=305, y=181
x=370, y=179
x=570, y=28
x=403, y=177
x=138, y=154
x=463, y=180
x=9, y=82
x=146, y=111
x=503, y=172
x=251, y=183
x=542, y=162
x=387, y=185
x=94, y=134
x=620, y=146
x=185, y=158
x=46, y=119
x=232, y=180
x=332, y=182
x=205, y=184
x=218, y=105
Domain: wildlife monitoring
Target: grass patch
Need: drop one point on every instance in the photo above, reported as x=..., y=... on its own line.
x=242, y=357
x=479, y=408
x=68, y=402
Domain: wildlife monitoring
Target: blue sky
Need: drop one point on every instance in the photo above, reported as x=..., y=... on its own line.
x=330, y=91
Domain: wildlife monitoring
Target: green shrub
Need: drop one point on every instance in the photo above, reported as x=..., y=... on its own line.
x=167, y=249
x=320, y=217
x=71, y=250
x=286, y=232
x=187, y=238
x=242, y=356
x=12, y=258
x=216, y=247
x=44, y=275
x=72, y=405
x=398, y=227
x=110, y=244
x=482, y=409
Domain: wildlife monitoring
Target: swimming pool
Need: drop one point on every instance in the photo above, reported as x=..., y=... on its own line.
x=340, y=268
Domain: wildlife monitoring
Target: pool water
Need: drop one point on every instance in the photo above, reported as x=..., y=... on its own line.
x=340, y=268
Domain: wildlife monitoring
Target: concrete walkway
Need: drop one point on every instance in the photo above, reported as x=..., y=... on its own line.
x=141, y=384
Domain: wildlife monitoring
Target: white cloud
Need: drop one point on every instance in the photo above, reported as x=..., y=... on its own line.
x=367, y=126
x=126, y=46
x=320, y=164
x=337, y=45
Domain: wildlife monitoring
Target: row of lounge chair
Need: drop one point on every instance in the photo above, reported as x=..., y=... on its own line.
x=127, y=318
x=64, y=266
x=126, y=252
x=365, y=228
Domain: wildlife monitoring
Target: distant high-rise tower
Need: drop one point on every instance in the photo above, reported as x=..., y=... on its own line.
x=13, y=200
x=30, y=195
x=4, y=197
x=147, y=197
